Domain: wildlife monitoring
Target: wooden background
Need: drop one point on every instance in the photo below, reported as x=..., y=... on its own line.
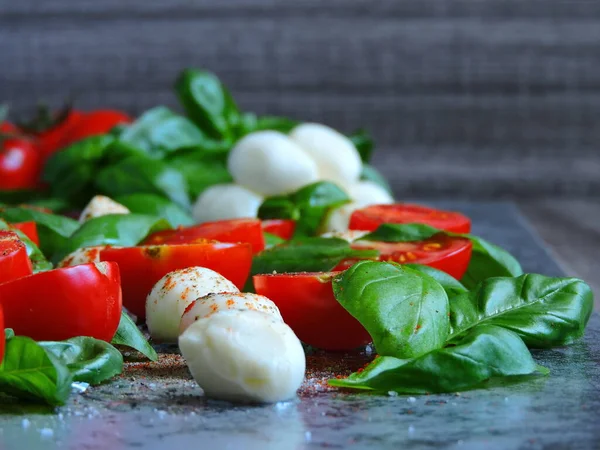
x=470, y=98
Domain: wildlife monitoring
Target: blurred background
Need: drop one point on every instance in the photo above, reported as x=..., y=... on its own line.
x=466, y=98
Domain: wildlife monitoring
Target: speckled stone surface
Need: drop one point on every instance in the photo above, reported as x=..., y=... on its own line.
x=158, y=406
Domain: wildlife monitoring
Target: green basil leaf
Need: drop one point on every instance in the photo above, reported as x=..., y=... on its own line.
x=28, y=371
x=363, y=143
x=544, y=311
x=308, y=206
x=271, y=240
x=307, y=255
x=404, y=311
x=394, y=232
x=125, y=230
x=282, y=124
x=129, y=335
x=370, y=173
x=155, y=205
x=38, y=260
x=207, y=102
x=201, y=168
x=89, y=360
x=485, y=353
x=138, y=174
x=451, y=285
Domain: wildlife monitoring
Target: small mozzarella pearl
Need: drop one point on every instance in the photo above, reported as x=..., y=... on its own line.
x=226, y=201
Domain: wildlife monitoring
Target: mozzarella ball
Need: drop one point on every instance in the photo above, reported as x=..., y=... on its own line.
x=348, y=235
x=244, y=356
x=270, y=163
x=366, y=193
x=336, y=156
x=229, y=301
x=172, y=294
x=339, y=219
x=82, y=256
x=101, y=205
x=226, y=201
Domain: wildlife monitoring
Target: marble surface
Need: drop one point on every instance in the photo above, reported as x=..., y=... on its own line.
x=152, y=406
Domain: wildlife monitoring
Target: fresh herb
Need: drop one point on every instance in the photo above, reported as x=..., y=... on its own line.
x=129, y=335
x=155, y=205
x=451, y=285
x=370, y=173
x=363, y=143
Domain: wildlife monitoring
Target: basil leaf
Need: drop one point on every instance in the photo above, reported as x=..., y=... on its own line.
x=544, y=311
x=451, y=285
x=271, y=240
x=89, y=360
x=394, y=232
x=124, y=230
x=201, y=168
x=140, y=174
x=129, y=335
x=370, y=173
x=155, y=205
x=28, y=371
x=53, y=229
x=207, y=102
x=38, y=260
x=404, y=311
x=486, y=352
x=363, y=143
x=307, y=255
x=308, y=206
x=282, y=124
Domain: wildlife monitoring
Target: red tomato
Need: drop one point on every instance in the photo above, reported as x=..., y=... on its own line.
x=92, y=124
x=59, y=304
x=308, y=306
x=2, y=336
x=284, y=228
x=7, y=127
x=142, y=267
x=51, y=140
x=233, y=231
x=14, y=262
x=29, y=229
x=20, y=164
x=447, y=253
x=371, y=217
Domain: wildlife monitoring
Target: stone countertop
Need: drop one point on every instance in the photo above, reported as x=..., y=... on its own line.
x=157, y=405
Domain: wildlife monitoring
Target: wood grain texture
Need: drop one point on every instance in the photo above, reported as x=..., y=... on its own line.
x=503, y=94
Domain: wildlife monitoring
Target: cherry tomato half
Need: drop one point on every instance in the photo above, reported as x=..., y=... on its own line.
x=51, y=139
x=20, y=164
x=2, y=336
x=14, y=262
x=29, y=229
x=142, y=267
x=308, y=306
x=59, y=304
x=233, y=231
x=284, y=228
x=371, y=217
x=93, y=124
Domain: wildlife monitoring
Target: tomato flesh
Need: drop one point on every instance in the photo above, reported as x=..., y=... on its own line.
x=14, y=262
x=92, y=124
x=371, y=217
x=51, y=140
x=59, y=304
x=141, y=267
x=283, y=228
x=29, y=229
x=308, y=306
x=233, y=231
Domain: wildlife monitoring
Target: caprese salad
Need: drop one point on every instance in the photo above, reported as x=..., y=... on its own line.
x=240, y=238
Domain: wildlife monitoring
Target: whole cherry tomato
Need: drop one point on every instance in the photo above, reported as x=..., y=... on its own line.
x=93, y=124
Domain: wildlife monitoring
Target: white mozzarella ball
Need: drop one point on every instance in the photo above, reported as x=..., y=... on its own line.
x=336, y=156
x=366, y=193
x=228, y=301
x=270, y=163
x=226, y=201
x=82, y=256
x=348, y=235
x=172, y=294
x=244, y=356
x=101, y=205
x=339, y=218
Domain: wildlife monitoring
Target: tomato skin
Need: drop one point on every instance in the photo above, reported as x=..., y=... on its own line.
x=284, y=228
x=371, y=217
x=142, y=267
x=14, y=262
x=20, y=164
x=59, y=304
x=308, y=306
x=51, y=140
x=92, y=124
x=29, y=229
x=2, y=335
x=232, y=231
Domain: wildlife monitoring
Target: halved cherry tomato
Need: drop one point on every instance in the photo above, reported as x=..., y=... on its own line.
x=142, y=267
x=92, y=124
x=14, y=262
x=20, y=164
x=2, y=336
x=308, y=306
x=29, y=229
x=59, y=304
x=443, y=252
x=284, y=228
x=371, y=217
x=51, y=140
x=233, y=231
